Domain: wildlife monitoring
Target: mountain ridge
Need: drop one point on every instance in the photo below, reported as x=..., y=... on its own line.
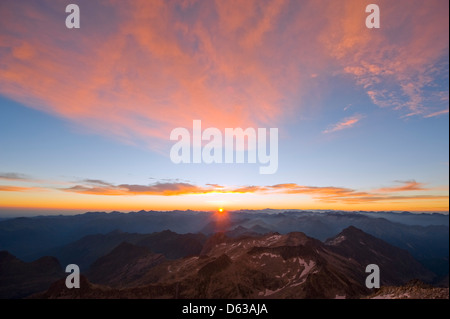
x=274, y=265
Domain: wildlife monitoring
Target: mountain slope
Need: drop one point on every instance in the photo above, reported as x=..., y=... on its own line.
x=412, y=290
x=19, y=279
x=397, y=266
x=86, y=250
x=269, y=266
x=173, y=245
x=123, y=265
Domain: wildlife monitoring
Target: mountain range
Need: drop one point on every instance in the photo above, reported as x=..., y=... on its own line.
x=266, y=266
x=248, y=254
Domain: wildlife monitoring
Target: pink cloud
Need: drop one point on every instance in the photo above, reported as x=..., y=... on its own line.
x=396, y=65
x=407, y=186
x=154, y=70
x=437, y=113
x=344, y=124
x=136, y=70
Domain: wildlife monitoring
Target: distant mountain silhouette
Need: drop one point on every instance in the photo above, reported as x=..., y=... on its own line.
x=31, y=237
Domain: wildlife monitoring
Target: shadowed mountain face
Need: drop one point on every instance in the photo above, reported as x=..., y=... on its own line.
x=19, y=279
x=124, y=264
x=366, y=249
x=268, y=266
x=85, y=251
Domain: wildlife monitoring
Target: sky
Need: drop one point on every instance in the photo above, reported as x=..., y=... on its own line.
x=86, y=114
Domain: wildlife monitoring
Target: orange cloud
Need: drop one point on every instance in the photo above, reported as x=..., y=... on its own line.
x=4, y=188
x=136, y=70
x=407, y=186
x=329, y=194
x=91, y=194
x=154, y=69
x=350, y=196
x=346, y=123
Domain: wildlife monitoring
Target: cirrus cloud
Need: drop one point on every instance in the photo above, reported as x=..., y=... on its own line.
x=135, y=70
x=344, y=124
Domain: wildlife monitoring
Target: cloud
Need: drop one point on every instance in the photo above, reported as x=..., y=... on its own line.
x=4, y=188
x=14, y=177
x=404, y=64
x=347, y=107
x=407, y=186
x=346, y=195
x=437, y=113
x=321, y=194
x=326, y=194
x=344, y=124
x=174, y=187
x=97, y=182
x=150, y=66
x=136, y=70
x=164, y=189
x=248, y=189
x=215, y=185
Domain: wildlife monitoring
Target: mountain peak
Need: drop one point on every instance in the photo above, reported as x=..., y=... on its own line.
x=350, y=233
x=352, y=230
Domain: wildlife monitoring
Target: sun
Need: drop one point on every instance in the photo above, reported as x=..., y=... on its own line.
x=221, y=219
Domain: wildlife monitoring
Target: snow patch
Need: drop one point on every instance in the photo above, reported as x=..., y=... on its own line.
x=271, y=239
x=307, y=266
x=271, y=292
x=337, y=240
x=298, y=283
x=269, y=254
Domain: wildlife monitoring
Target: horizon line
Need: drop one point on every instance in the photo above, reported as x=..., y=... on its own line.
x=75, y=212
